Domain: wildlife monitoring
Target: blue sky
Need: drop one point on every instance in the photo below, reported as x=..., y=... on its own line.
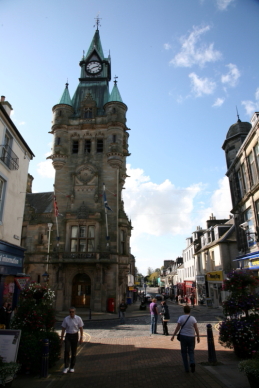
x=183, y=67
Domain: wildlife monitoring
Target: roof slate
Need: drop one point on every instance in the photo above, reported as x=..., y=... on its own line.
x=41, y=202
x=96, y=44
x=65, y=98
x=115, y=94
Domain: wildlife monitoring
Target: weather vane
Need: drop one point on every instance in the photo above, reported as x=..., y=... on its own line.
x=238, y=119
x=115, y=80
x=97, y=24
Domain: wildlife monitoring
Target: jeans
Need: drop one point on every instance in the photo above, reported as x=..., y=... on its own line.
x=153, y=325
x=187, y=347
x=122, y=316
x=71, y=341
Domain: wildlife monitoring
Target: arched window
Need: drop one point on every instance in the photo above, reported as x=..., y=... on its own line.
x=88, y=113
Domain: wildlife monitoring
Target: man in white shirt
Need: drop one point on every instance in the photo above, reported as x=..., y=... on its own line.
x=188, y=325
x=71, y=325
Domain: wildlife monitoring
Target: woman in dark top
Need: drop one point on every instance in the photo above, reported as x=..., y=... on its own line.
x=165, y=317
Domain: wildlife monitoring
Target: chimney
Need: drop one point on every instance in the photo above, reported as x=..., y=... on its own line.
x=8, y=107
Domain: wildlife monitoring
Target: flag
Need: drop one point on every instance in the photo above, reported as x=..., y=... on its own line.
x=55, y=206
x=105, y=199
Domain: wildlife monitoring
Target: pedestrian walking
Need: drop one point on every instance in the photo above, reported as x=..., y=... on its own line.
x=165, y=317
x=72, y=324
x=192, y=300
x=154, y=315
x=188, y=326
x=3, y=316
x=122, y=309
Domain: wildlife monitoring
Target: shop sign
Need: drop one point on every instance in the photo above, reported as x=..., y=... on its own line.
x=200, y=279
x=131, y=288
x=254, y=263
x=10, y=260
x=21, y=282
x=215, y=276
x=188, y=284
x=9, y=344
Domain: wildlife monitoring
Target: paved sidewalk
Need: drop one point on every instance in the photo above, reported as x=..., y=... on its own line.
x=148, y=361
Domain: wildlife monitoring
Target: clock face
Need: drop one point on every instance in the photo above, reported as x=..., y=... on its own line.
x=93, y=67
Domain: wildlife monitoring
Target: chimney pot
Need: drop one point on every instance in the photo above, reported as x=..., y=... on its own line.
x=2, y=98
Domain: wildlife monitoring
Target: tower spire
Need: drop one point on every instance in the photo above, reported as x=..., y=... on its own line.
x=238, y=119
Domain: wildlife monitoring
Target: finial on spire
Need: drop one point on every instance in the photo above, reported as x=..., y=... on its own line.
x=97, y=24
x=67, y=84
x=115, y=80
x=238, y=119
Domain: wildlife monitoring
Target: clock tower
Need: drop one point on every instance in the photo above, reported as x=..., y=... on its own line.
x=87, y=251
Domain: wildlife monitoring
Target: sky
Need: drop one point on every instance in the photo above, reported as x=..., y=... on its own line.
x=183, y=67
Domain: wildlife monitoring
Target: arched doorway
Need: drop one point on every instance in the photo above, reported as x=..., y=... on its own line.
x=81, y=290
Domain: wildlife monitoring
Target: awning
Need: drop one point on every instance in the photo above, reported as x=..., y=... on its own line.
x=248, y=256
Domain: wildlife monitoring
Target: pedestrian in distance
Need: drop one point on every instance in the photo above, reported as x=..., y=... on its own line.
x=3, y=316
x=188, y=326
x=154, y=315
x=122, y=309
x=176, y=299
x=72, y=324
x=165, y=317
x=192, y=300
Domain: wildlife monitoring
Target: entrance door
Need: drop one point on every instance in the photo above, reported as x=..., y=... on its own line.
x=81, y=291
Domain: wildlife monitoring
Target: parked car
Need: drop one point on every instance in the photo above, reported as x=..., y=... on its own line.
x=158, y=297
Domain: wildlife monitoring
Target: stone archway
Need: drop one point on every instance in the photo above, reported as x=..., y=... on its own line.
x=81, y=290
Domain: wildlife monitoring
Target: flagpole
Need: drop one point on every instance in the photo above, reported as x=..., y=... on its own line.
x=56, y=215
x=106, y=217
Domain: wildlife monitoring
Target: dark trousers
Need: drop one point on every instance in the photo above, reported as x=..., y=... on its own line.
x=165, y=328
x=187, y=349
x=71, y=341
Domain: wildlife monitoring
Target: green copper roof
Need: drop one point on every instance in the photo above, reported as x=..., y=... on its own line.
x=65, y=98
x=96, y=44
x=115, y=94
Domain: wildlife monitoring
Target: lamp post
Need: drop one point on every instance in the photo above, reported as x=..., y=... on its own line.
x=46, y=275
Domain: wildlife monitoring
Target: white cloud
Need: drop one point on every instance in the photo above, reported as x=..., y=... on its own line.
x=231, y=78
x=220, y=202
x=223, y=4
x=22, y=123
x=218, y=102
x=167, y=46
x=45, y=169
x=252, y=106
x=157, y=209
x=201, y=86
x=191, y=55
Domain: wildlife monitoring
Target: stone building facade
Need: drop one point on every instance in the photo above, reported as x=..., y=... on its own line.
x=242, y=155
x=86, y=250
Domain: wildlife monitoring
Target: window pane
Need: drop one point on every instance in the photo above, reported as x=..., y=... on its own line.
x=74, y=231
x=87, y=146
x=75, y=146
x=252, y=168
x=244, y=176
x=82, y=231
x=90, y=246
x=99, y=145
x=82, y=246
x=73, y=245
x=91, y=231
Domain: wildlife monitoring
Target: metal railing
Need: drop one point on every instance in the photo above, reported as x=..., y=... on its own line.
x=8, y=157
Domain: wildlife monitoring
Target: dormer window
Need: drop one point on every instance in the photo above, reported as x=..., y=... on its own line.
x=88, y=113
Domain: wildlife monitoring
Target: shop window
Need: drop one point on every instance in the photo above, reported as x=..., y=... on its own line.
x=248, y=216
x=82, y=239
x=99, y=146
x=87, y=148
x=75, y=146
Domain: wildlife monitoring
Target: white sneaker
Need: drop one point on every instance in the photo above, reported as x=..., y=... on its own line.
x=71, y=370
x=65, y=370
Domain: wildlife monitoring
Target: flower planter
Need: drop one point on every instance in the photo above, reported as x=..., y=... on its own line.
x=253, y=380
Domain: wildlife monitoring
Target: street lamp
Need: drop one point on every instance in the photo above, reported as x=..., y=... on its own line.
x=47, y=266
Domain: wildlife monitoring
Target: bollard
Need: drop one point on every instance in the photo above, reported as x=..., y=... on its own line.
x=45, y=359
x=90, y=314
x=211, y=347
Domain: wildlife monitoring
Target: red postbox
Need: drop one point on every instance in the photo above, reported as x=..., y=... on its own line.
x=111, y=305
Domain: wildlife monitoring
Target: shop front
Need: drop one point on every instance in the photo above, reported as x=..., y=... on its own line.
x=201, y=289
x=190, y=290
x=11, y=266
x=215, y=283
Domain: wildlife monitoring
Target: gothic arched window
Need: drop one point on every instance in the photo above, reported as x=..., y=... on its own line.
x=88, y=113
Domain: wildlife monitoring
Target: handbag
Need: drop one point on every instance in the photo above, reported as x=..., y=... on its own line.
x=179, y=334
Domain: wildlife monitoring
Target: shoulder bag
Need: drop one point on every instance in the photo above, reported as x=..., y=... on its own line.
x=179, y=335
